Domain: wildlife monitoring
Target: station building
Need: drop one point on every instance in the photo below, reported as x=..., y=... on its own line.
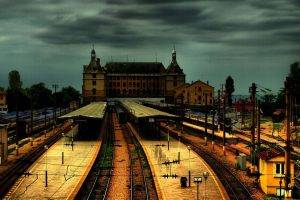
x=194, y=94
x=130, y=79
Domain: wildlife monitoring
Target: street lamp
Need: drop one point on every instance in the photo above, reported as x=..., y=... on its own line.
x=189, y=148
x=205, y=175
x=197, y=180
x=179, y=135
x=62, y=149
x=46, y=172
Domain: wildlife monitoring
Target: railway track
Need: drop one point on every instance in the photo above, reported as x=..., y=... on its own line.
x=12, y=175
x=234, y=187
x=97, y=183
x=138, y=183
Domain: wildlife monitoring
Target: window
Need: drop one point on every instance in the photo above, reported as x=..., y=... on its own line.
x=110, y=84
x=94, y=91
x=279, y=168
x=118, y=84
x=94, y=75
x=124, y=84
x=94, y=82
x=278, y=193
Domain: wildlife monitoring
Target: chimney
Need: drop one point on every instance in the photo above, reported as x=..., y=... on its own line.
x=98, y=62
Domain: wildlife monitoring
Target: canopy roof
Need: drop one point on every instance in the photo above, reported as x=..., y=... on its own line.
x=141, y=111
x=94, y=110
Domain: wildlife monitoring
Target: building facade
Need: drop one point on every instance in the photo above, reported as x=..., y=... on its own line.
x=272, y=169
x=130, y=79
x=3, y=105
x=195, y=94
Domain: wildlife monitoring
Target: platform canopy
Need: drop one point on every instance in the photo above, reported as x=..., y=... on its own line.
x=93, y=110
x=141, y=111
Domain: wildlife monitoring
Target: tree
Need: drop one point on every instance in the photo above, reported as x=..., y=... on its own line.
x=14, y=79
x=41, y=96
x=16, y=96
x=295, y=76
x=268, y=104
x=229, y=88
x=66, y=95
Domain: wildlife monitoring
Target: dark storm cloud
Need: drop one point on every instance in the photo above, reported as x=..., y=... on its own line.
x=169, y=14
x=98, y=30
x=251, y=29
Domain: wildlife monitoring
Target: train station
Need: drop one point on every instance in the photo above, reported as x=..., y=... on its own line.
x=141, y=132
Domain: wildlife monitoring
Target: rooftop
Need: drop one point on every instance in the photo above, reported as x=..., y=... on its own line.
x=140, y=111
x=94, y=110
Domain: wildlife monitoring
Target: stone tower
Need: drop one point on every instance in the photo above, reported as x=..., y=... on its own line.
x=93, y=88
x=174, y=78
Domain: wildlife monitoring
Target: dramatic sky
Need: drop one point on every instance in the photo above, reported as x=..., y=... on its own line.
x=252, y=40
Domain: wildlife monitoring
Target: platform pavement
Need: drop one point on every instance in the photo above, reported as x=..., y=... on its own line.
x=169, y=188
x=63, y=179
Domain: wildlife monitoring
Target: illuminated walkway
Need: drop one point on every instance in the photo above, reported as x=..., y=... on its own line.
x=169, y=188
x=64, y=179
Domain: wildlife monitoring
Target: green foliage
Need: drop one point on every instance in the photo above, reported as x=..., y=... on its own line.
x=268, y=104
x=66, y=95
x=14, y=79
x=38, y=95
x=41, y=96
x=229, y=87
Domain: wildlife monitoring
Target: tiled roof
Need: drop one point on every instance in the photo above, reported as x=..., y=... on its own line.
x=135, y=67
x=269, y=154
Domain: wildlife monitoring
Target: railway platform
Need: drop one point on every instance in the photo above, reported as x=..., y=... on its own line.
x=64, y=179
x=170, y=188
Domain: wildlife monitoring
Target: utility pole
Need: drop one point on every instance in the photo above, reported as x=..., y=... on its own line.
x=205, y=114
x=258, y=123
x=288, y=87
x=213, y=124
x=224, y=115
x=252, y=90
x=55, y=86
x=17, y=122
x=219, y=104
x=243, y=113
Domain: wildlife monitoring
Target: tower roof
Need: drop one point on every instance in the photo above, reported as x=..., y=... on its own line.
x=173, y=67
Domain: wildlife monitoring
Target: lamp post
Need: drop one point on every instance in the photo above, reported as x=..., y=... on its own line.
x=62, y=149
x=168, y=139
x=280, y=183
x=189, y=148
x=179, y=135
x=197, y=180
x=46, y=170
x=205, y=175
